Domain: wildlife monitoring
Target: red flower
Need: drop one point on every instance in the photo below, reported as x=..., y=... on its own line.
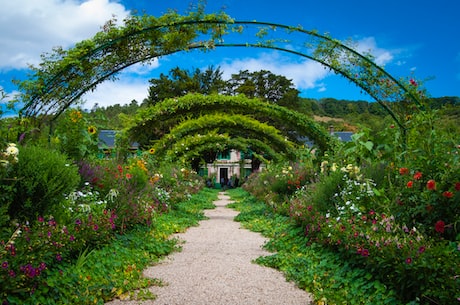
x=408, y=260
x=439, y=226
x=403, y=171
x=457, y=186
x=448, y=194
x=431, y=185
x=410, y=184
x=417, y=175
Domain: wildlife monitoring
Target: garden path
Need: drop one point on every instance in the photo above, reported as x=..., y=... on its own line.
x=214, y=267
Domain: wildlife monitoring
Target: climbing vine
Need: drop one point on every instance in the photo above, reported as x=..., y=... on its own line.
x=193, y=146
x=233, y=125
x=291, y=123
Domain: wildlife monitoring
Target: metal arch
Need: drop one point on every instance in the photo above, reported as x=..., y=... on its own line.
x=36, y=104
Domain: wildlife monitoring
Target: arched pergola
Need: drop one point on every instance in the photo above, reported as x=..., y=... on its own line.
x=65, y=75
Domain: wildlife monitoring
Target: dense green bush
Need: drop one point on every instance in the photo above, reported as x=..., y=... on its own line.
x=42, y=179
x=386, y=203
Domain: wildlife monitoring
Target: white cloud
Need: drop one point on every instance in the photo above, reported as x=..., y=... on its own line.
x=29, y=28
x=304, y=74
x=120, y=92
x=369, y=45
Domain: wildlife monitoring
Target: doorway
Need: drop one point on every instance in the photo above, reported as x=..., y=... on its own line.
x=223, y=176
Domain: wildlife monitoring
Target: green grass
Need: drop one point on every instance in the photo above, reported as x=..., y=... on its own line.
x=314, y=268
x=116, y=270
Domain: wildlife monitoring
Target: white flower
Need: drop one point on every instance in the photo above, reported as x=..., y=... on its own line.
x=12, y=151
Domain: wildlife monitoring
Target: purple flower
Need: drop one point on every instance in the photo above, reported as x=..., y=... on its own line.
x=59, y=257
x=95, y=227
x=42, y=266
x=5, y=265
x=78, y=222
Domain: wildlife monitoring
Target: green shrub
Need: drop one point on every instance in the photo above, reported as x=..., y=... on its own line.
x=43, y=177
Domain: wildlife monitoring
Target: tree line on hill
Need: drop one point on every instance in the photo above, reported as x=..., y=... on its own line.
x=342, y=114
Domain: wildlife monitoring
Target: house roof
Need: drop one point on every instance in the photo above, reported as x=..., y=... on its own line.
x=107, y=139
x=344, y=136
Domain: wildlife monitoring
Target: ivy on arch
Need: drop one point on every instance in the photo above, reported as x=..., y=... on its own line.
x=236, y=126
x=65, y=75
x=192, y=147
x=290, y=123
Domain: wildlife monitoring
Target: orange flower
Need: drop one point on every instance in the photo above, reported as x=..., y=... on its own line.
x=431, y=185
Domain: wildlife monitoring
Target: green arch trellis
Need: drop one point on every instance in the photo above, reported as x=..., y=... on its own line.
x=235, y=125
x=205, y=104
x=64, y=76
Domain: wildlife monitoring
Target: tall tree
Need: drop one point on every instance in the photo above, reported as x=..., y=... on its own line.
x=264, y=85
x=179, y=82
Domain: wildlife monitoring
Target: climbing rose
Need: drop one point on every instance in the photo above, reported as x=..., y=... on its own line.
x=431, y=185
x=439, y=226
x=417, y=175
x=448, y=194
x=409, y=184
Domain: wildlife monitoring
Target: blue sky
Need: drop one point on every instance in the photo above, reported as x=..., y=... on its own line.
x=419, y=39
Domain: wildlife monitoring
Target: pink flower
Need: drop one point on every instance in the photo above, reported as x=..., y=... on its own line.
x=409, y=260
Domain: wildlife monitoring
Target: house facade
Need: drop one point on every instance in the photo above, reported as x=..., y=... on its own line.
x=231, y=166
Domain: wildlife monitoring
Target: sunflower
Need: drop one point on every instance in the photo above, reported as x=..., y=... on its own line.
x=151, y=151
x=92, y=130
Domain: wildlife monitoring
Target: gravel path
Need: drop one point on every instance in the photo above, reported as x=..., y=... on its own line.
x=214, y=267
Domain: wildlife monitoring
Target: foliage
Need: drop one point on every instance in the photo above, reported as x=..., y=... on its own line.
x=314, y=268
x=41, y=178
x=180, y=82
x=42, y=261
x=387, y=207
x=75, y=136
x=233, y=125
x=291, y=123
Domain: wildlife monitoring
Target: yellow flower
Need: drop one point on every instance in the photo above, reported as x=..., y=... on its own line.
x=75, y=116
x=151, y=151
x=92, y=129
